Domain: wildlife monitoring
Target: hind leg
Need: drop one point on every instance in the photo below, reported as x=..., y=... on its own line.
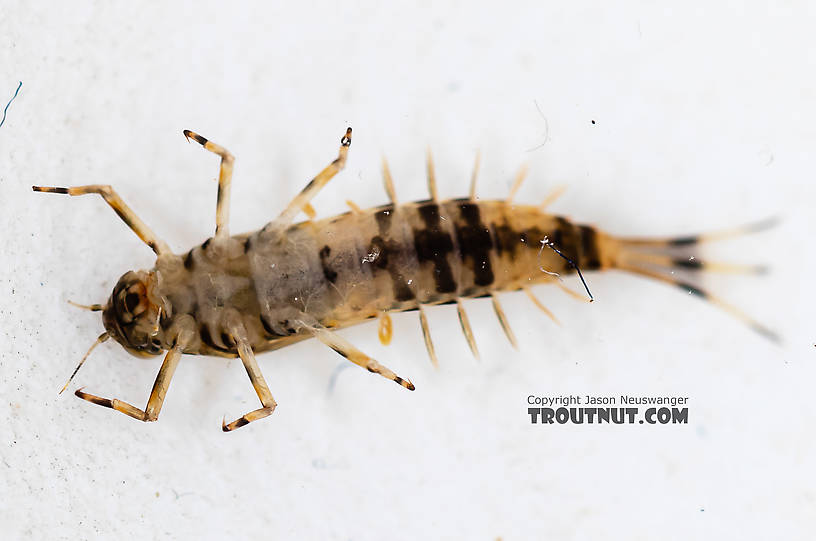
x=347, y=350
x=259, y=384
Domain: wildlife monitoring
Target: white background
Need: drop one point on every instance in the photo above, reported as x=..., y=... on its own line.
x=704, y=119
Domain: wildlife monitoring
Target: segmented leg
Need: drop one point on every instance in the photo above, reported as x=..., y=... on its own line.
x=385, y=330
x=389, y=183
x=468, y=332
x=426, y=335
x=316, y=184
x=541, y=306
x=431, y=177
x=344, y=348
x=503, y=321
x=154, y=403
x=258, y=383
x=519, y=180
x=224, y=183
x=122, y=210
x=474, y=176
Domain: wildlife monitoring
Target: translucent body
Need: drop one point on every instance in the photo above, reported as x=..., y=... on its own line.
x=343, y=270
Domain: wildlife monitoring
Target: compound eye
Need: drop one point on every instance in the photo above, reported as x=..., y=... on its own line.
x=131, y=301
x=135, y=299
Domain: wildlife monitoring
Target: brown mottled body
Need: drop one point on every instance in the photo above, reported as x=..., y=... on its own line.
x=342, y=270
x=234, y=296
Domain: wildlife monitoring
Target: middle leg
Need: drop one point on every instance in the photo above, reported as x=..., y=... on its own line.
x=261, y=388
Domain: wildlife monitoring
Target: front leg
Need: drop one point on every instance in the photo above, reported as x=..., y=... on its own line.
x=154, y=403
x=237, y=333
x=160, y=386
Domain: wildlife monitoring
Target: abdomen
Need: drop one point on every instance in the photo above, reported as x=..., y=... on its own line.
x=351, y=267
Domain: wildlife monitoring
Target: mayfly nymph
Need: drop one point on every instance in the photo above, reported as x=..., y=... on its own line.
x=235, y=296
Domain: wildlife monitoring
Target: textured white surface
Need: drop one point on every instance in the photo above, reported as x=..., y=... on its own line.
x=703, y=119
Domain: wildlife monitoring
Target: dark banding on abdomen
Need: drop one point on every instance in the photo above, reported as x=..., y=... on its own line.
x=563, y=228
x=504, y=238
x=590, y=258
x=475, y=243
x=433, y=244
x=388, y=254
x=383, y=217
x=383, y=253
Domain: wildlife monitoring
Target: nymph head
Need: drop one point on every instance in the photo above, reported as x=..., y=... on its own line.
x=133, y=313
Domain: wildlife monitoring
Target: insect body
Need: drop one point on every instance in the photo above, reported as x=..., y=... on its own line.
x=235, y=296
